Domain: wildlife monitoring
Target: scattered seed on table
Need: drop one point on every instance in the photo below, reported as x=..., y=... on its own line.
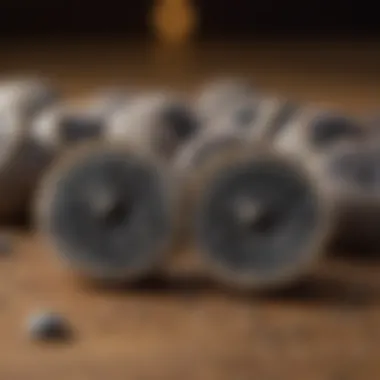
x=48, y=326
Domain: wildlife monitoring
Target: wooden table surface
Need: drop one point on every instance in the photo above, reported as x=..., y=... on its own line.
x=326, y=328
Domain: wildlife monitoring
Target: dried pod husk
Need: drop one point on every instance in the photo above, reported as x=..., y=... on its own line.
x=314, y=132
x=187, y=163
x=109, y=210
x=259, y=218
x=158, y=122
x=255, y=118
x=66, y=124
x=23, y=157
x=351, y=176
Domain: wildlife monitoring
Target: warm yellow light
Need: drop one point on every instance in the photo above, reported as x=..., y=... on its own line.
x=174, y=21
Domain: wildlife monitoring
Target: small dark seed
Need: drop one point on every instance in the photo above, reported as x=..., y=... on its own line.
x=48, y=326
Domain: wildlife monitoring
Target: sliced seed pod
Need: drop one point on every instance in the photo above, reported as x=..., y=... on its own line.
x=351, y=175
x=260, y=219
x=220, y=94
x=160, y=123
x=255, y=118
x=22, y=157
x=108, y=210
x=315, y=131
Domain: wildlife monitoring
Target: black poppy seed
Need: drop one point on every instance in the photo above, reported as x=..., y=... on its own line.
x=48, y=326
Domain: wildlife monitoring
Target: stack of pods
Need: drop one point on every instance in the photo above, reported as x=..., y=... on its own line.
x=257, y=186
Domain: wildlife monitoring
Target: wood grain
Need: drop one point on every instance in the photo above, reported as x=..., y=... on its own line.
x=327, y=328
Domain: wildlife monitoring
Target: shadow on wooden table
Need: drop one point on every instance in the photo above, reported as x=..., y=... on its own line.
x=340, y=287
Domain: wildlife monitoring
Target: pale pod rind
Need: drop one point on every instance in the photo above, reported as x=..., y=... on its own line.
x=142, y=124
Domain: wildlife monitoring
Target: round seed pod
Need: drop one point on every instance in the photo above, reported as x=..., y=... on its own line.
x=160, y=123
x=217, y=96
x=23, y=157
x=260, y=219
x=108, y=211
x=351, y=175
x=315, y=131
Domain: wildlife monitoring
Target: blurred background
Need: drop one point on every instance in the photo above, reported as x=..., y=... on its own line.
x=217, y=18
x=325, y=52
x=312, y=50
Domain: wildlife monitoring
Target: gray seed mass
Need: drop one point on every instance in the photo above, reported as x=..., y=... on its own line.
x=181, y=122
x=245, y=115
x=328, y=129
x=274, y=240
x=178, y=124
x=110, y=214
x=75, y=128
x=360, y=168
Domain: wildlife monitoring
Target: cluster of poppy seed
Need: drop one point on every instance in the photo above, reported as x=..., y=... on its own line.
x=258, y=186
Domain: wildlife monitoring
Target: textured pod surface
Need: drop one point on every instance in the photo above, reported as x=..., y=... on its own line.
x=219, y=95
x=260, y=220
x=64, y=125
x=22, y=157
x=80, y=120
x=158, y=123
x=109, y=211
x=254, y=118
x=314, y=132
x=351, y=173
